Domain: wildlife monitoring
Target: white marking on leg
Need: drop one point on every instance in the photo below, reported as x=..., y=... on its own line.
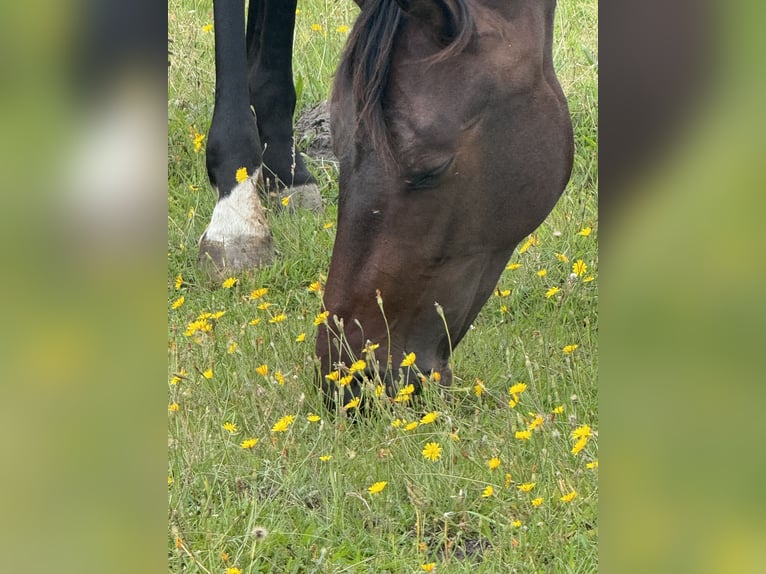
x=239, y=214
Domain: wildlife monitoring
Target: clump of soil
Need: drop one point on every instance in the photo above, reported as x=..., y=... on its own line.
x=312, y=130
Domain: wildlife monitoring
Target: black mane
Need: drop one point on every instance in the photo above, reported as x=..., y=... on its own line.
x=366, y=61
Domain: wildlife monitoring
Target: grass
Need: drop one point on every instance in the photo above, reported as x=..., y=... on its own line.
x=318, y=513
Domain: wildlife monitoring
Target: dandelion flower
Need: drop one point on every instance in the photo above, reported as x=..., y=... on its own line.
x=454, y=437
x=432, y=451
x=588, y=279
x=428, y=418
x=524, y=435
x=537, y=501
x=551, y=292
x=263, y=370
x=321, y=318
x=585, y=231
x=345, y=381
x=436, y=376
x=316, y=27
x=412, y=426
x=428, y=566
x=254, y=321
x=264, y=306
x=536, y=422
x=558, y=410
x=173, y=407
x=508, y=480
x=241, y=175
x=233, y=570
x=208, y=374
x=569, y=497
x=379, y=390
x=370, y=347
x=487, y=492
x=179, y=281
x=516, y=523
x=230, y=427
x=398, y=422
x=278, y=318
x=300, y=338
x=579, y=445
x=258, y=293
x=377, y=487
x=527, y=486
x=342, y=29
x=493, y=463
x=582, y=431
x=513, y=266
x=283, y=424
x=328, y=225
x=518, y=388
x=561, y=257
x=312, y=418
x=352, y=404
x=579, y=267
x=207, y=28
x=334, y=376
x=279, y=377
x=504, y=293
x=325, y=457
x=542, y=273
x=249, y=443
x=408, y=361
x=286, y=200
x=178, y=302
x=569, y=349
x=357, y=366
x=478, y=388
x=197, y=141
x=229, y=283
x=592, y=465
x=315, y=287
x=232, y=347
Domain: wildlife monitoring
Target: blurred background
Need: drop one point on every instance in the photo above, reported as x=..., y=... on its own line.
x=83, y=212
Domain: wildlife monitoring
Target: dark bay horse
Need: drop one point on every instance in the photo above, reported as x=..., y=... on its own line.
x=454, y=141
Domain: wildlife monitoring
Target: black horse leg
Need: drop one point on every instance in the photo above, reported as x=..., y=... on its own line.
x=270, y=31
x=237, y=237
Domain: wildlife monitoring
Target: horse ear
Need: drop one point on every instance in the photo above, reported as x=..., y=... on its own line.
x=444, y=17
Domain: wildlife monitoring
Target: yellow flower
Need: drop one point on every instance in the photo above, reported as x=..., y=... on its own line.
x=229, y=283
x=357, y=366
x=173, y=407
x=377, y=487
x=179, y=281
x=300, y=338
x=524, y=435
x=542, y=273
x=352, y=404
x=325, y=457
x=538, y=420
x=233, y=570
x=503, y=309
x=513, y=266
x=254, y=321
x=315, y=287
x=217, y=314
x=428, y=566
x=263, y=370
x=197, y=141
x=478, y=388
x=334, y=376
x=346, y=380
x=279, y=377
x=207, y=28
x=312, y=418
x=286, y=200
x=411, y=426
x=432, y=451
x=516, y=523
x=232, y=347
x=583, y=431
x=283, y=424
x=241, y=175
x=487, y=492
x=537, y=501
x=178, y=302
x=225, y=556
x=592, y=465
x=579, y=445
x=585, y=231
x=398, y=422
x=493, y=463
x=258, y=293
x=408, y=361
x=558, y=410
x=370, y=347
x=551, y=292
x=171, y=480
x=517, y=389
x=436, y=376
x=379, y=390
x=508, y=480
x=569, y=497
x=321, y=318
x=514, y=401
x=428, y=418
x=264, y=306
x=528, y=243
x=561, y=257
x=208, y=374
x=527, y=486
x=342, y=29
x=249, y=443
x=328, y=225
x=569, y=349
x=588, y=279
x=316, y=27
x=278, y=318
x=579, y=268
x=230, y=427
x=504, y=293
x=454, y=437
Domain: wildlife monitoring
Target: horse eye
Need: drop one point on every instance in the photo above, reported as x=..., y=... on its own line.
x=428, y=178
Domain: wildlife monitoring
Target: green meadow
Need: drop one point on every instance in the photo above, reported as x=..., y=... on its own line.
x=498, y=473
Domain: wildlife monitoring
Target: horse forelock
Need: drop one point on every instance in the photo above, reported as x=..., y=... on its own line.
x=366, y=61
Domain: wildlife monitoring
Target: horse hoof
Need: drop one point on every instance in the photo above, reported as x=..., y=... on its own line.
x=238, y=237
